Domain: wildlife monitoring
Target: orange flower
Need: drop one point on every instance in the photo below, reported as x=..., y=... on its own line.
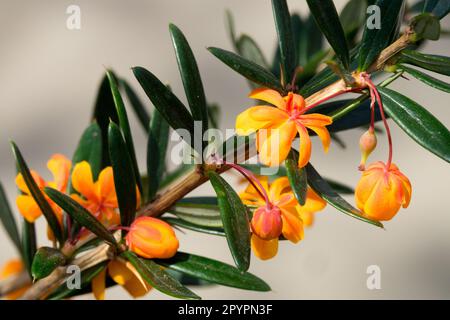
x=59, y=166
x=13, y=267
x=381, y=191
x=314, y=203
x=124, y=274
x=152, y=238
x=99, y=197
x=283, y=218
x=282, y=124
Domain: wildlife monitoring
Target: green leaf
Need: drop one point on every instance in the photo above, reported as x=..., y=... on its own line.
x=80, y=214
x=440, y=8
x=158, y=138
x=124, y=179
x=28, y=243
x=104, y=112
x=158, y=278
x=429, y=80
x=234, y=219
x=201, y=214
x=297, y=177
x=417, y=122
x=435, y=63
x=45, y=261
x=37, y=195
x=7, y=219
x=426, y=26
x=248, y=69
x=190, y=75
x=249, y=49
x=170, y=107
x=230, y=26
x=353, y=16
x=288, y=58
x=137, y=105
x=376, y=39
x=323, y=189
x=327, y=19
x=339, y=187
x=194, y=227
x=214, y=271
x=124, y=126
x=214, y=115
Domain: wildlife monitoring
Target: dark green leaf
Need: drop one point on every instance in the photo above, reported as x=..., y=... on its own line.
x=214, y=115
x=138, y=107
x=37, y=195
x=190, y=75
x=187, y=280
x=238, y=148
x=104, y=112
x=200, y=214
x=426, y=26
x=249, y=49
x=297, y=177
x=80, y=214
x=248, y=69
x=230, y=26
x=158, y=278
x=435, y=63
x=440, y=8
x=417, y=122
x=353, y=16
x=429, y=80
x=339, y=187
x=194, y=227
x=376, y=39
x=288, y=58
x=29, y=246
x=124, y=180
x=324, y=190
x=158, y=138
x=124, y=126
x=45, y=261
x=327, y=19
x=214, y=271
x=234, y=219
x=165, y=101
x=7, y=219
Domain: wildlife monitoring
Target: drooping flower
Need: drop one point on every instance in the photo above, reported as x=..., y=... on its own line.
x=11, y=268
x=124, y=274
x=59, y=166
x=283, y=217
x=381, y=191
x=281, y=126
x=152, y=238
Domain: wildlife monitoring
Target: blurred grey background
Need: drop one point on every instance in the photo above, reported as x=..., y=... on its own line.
x=49, y=76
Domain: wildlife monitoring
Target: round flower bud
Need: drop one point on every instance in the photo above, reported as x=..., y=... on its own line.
x=267, y=223
x=367, y=144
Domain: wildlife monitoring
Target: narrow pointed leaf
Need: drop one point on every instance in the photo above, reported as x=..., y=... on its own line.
x=431, y=62
x=376, y=39
x=249, y=49
x=124, y=179
x=327, y=19
x=158, y=278
x=214, y=271
x=427, y=79
x=440, y=8
x=137, y=105
x=234, y=219
x=37, y=195
x=80, y=214
x=170, y=107
x=158, y=139
x=201, y=214
x=190, y=76
x=29, y=246
x=324, y=190
x=353, y=16
x=104, y=112
x=7, y=219
x=124, y=126
x=288, y=57
x=297, y=177
x=248, y=69
x=417, y=122
x=194, y=227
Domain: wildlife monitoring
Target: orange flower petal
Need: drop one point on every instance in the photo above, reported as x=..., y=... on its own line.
x=315, y=119
x=313, y=202
x=274, y=144
x=28, y=208
x=20, y=182
x=324, y=136
x=270, y=96
x=305, y=146
x=258, y=117
x=264, y=249
x=106, y=189
x=292, y=226
x=124, y=274
x=82, y=181
x=60, y=166
x=13, y=267
x=98, y=285
x=277, y=187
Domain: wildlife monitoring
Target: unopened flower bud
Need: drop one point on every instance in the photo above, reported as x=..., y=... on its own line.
x=367, y=144
x=266, y=223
